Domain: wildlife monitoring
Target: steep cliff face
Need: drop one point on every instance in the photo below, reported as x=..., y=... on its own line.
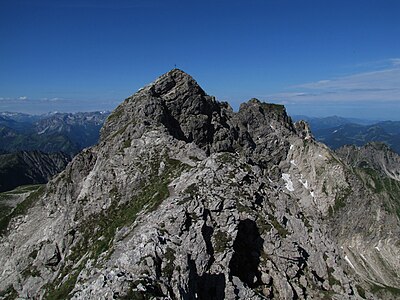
x=375, y=155
x=369, y=228
x=185, y=199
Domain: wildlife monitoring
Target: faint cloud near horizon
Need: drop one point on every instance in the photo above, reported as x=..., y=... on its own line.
x=395, y=61
x=17, y=99
x=29, y=105
x=121, y=4
x=54, y=99
x=381, y=85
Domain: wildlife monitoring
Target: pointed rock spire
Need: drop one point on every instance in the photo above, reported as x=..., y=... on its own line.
x=173, y=83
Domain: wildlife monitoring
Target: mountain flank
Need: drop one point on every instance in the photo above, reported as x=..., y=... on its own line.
x=34, y=167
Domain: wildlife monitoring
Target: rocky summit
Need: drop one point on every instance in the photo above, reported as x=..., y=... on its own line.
x=183, y=198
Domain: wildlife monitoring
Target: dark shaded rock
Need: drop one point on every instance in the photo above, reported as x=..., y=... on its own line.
x=33, y=167
x=246, y=258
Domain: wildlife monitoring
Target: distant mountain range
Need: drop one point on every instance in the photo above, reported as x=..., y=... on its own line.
x=58, y=132
x=35, y=148
x=22, y=118
x=336, y=131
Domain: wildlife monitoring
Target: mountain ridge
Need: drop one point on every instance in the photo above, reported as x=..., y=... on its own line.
x=337, y=131
x=184, y=198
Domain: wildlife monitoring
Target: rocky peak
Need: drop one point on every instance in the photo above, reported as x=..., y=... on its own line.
x=178, y=104
x=175, y=83
x=261, y=114
x=303, y=130
x=175, y=102
x=185, y=199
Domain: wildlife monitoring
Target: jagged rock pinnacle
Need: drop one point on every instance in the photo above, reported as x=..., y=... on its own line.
x=175, y=82
x=177, y=103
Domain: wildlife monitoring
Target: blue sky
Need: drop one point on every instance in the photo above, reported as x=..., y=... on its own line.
x=319, y=58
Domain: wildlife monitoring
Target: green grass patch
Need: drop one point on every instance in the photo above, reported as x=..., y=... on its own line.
x=30, y=271
x=21, y=208
x=331, y=279
x=226, y=158
x=273, y=107
x=340, y=199
x=115, y=115
x=4, y=210
x=169, y=266
x=127, y=143
x=61, y=291
x=377, y=289
x=192, y=190
x=383, y=185
x=324, y=189
x=221, y=241
x=10, y=196
x=120, y=131
x=9, y=294
x=263, y=225
x=283, y=232
x=377, y=185
x=98, y=231
x=361, y=291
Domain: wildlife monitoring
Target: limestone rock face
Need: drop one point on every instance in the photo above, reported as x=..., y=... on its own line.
x=375, y=155
x=373, y=246
x=185, y=199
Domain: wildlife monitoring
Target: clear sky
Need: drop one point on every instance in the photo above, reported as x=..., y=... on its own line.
x=319, y=58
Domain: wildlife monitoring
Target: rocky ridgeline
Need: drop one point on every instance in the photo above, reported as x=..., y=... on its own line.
x=185, y=199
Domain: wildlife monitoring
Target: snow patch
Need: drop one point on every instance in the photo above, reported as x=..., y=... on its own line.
x=304, y=183
x=43, y=131
x=289, y=183
x=379, y=250
x=348, y=260
x=291, y=147
x=312, y=194
x=293, y=163
x=334, y=131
